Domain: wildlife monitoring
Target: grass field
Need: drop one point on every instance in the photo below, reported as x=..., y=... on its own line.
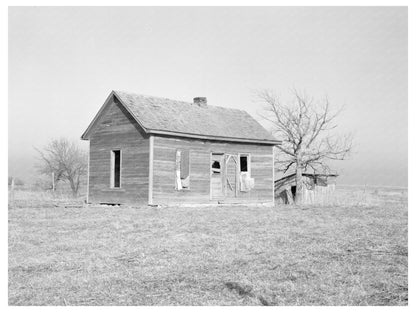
x=352, y=253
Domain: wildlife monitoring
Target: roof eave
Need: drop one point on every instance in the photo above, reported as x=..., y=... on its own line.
x=215, y=138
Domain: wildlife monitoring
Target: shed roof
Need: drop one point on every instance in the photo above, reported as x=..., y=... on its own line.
x=170, y=117
x=306, y=174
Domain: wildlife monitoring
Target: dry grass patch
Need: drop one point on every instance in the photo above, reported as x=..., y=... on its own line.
x=24, y=198
x=209, y=256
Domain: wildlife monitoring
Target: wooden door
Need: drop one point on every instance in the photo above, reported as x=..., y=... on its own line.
x=217, y=176
x=231, y=175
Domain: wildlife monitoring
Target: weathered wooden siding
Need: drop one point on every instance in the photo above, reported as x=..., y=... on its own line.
x=200, y=168
x=117, y=130
x=312, y=193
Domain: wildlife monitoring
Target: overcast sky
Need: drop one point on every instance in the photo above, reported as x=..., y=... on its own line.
x=63, y=62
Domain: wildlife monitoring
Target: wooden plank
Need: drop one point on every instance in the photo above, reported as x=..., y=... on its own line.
x=117, y=130
x=273, y=174
x=201, y=159
x=151, y=143
x=210, y=182
x=88, y=176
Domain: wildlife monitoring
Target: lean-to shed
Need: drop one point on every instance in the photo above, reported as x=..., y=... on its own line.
x=157, y=151
x=317, y=188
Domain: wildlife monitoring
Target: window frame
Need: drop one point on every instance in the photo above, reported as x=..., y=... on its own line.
x=248, y=155
x=112, y=168
x=182, y=150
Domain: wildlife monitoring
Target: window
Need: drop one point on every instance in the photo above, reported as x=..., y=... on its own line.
x=246, y=181
x=245, y=163
x=182, y=170
x=216, y=167
x=115, y=175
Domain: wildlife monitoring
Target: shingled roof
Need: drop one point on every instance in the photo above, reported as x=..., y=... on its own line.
x=169, y=117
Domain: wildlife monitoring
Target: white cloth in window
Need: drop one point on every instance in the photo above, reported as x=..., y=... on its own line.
x=178, y=180
x=185, y=182
x=246, y=182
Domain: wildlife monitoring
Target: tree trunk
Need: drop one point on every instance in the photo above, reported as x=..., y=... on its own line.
x=299, y=185
x=74, y=187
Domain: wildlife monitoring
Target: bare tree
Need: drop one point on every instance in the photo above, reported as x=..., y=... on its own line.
x=304, y=126
x=64, y=161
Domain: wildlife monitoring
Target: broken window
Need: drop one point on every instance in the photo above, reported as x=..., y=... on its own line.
x=246, y=181
x=115, y=179
x=182, y=169
x=216, y=166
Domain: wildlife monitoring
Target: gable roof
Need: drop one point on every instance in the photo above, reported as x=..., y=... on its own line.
x=169, y=117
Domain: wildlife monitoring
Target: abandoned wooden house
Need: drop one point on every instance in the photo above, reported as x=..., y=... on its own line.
x=156, y=151
x=317, y=188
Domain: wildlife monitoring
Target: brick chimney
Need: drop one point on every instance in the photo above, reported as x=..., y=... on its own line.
x=201, y=101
